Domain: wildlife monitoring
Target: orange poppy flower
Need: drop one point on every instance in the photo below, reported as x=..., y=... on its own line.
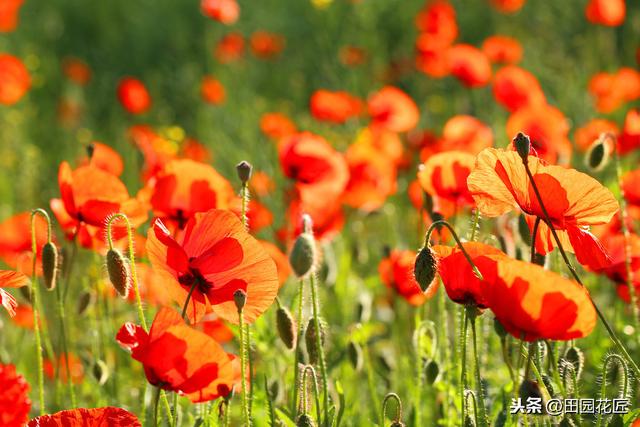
x=156, y=150
x=80, y=417
x=185, y=187
x=217, y=256
x=23, y=317
x=9, y=15
x=431, y=58
x=179, y=358
x=437, y=20
x=396, y=272
x=573, y=200
x=215, y=327
x=258, y=215
x=384, y=141
x=469, y=65
x=266, y=45
x=445, y=175
x=15, y=241
x=606, y=12
x=15, y=80
x=616, y=246
x=372, y=177
x=133, y=95
x=458, y=278
x=276, y=125
x=281, y=260
x=14, y=399
x=508, y=6
x=60, y=365
x=261, y=184
x=224, y=11
x=212, y=90
x=328, y=218
x=105, y=158
x=11, y=279
x=533, y=304
x=515, y=88
x=334, y=107
x=611, y=90
x=548, y=129
x=466, y=133
x=586, y=135
x=88, y=196
x=76, y=70
x=630, y=185
x=502, y=49
x=392, y=109
x=229, y=48
x=629, y=139
x=153, y=287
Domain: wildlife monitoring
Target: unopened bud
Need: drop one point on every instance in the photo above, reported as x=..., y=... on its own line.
x=303, y=255
x=100, y=372
x=432, y=370
x=597, y=156
x=425, y=268
x=305, y=420
x=244, y=169
x=240, y=298
x=286, y=327
x=311, y=341
x=49, y=265
x=522, y=143
x=118, y=269
x=84, y=301
x=575, y=356
x=530, y=389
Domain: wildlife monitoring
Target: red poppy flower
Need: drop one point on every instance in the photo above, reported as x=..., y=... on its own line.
x=194, y=150
x=437, y=20
x=229, y=48
x=261, y=184
x=23, y=317
x=548, y=129
x=631, y=187
x=10, y=279
x=392, y=109
x=15, y=241
x=179, y=358
x=508, y=6
x=533, y=304
x=469, y=65
x=133, y=95
x=215, y=327
x=606, y=12
x=396, y=272
x=14, y=398
x=75, y=366
x=266, y=45
x=431, y=58
x=629, y=139
x=445, y=175
x=573, y=200
x=258, y=215
x=281, y=260
x=611, y=90
x=76, y=70
x=502, y=49
x=335, y=107
x=99, y=417
x=212, y=90
x=515, y=88
x=224, y=11
x=586, y=135
x=619, y=248
x=156, y=150
x=276, y=125
x=218, y=256
x=88, y=196
x=384, y=141
x=466, y=133
x=458, y=278
x=14, y=79
x=105, y=158
x=185, y=187
x=9, y=15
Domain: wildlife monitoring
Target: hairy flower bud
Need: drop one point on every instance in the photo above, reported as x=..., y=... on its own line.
x=286, y=327
x=244, y=170
x=432, y=370
x=118, y=269
x=240, y=298
x=425, y=268
x=522, y=143
x=49, y=265
x=84, y=301
x=303, y=255
x=305, y=420
x=311, y=342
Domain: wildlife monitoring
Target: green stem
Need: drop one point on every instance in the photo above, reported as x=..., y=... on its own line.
x=243, y=373
x=321, y=361
x=463, y=365
x=65, y=348
x=439, y=223
x=482, y=412
x=155, y=406
x=296, y=370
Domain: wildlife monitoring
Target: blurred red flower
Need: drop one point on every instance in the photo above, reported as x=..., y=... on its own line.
x=224, y=11
x=469, y=65
x=508, y=6
x=515, y=88
x=60, y=366
x=212, y=90
x=606, y=12
x=229, y=48
x=276, y=125
x=444, y=175
x=133, y=95
x=629, y=138
x=335, y=107
x=611, y=90
x=105, y=158
x=99, y=417
x=591, y=131
x=437, y=21
x=266, y=45
x=76, y=70
x=392, y=109
x=15, y=80
x=14, y=397
x=9, y=15
x=15, y=241
x=502, y=49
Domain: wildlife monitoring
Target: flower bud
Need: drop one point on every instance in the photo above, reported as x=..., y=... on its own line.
x=305, y=420
x=530, y=389
x=425, y=268
x=397, y=423
x=240, y=298
x=575, y=356
x=244, y=170
x=84, y=301
x=311, y=342
x=522, y=143
x=49, y=265
x=303, y=255
x=118, y=269
x=100, y=372
x=597, y=156
x=431, y=371
x=468, y=421
x=286, y=327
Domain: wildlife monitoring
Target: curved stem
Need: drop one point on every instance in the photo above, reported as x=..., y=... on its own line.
x=441, y=222
x=386, y=399
x=482, y=412
x=316, y=394
x=321, y=359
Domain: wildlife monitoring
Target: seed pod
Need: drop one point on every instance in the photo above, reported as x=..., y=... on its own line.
x=25, y=291
x=303, y=255
x=530, y=389
x=100, y=372
x=305, y=420
x=84, y=301
x=575, y=356
x=432, y=370
x=310, y=340
x=286, y=327
x=354, y=351
x=425, y=268
x=546, y=380
x=49, y=265
x=240, y=298
x=522, y=144
x=244, y=169
x=118, y=269
x=597, y=156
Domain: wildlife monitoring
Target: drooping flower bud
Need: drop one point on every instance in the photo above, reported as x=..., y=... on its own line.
x=425, y=268
x=522, y=143
x=118, y=269
x=100, y=372
x=431, y=371
x=286, y=327
x=530, y=389
x=240, y=298
x=244, y=170
x=597, y=156
x=311, y=342
x=49, y=265
x=303, y=254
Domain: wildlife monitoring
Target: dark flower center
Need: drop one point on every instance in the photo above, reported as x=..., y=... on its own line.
x=194, y=277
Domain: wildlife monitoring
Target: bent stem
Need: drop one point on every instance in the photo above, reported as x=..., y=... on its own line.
x=442, y=222
x=321, y=361
x=243, y=373
x=34, y=299
x=398, y=417
x=482, y=412
x=547, y=219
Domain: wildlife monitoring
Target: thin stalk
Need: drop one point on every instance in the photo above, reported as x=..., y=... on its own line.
x=321, y=361
x=482, y=411
x=243, y=374
x=296, y=370
x=65, y=348
x=463, y=364
x=34, y=298
x=439, y=223
x=155, y=405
